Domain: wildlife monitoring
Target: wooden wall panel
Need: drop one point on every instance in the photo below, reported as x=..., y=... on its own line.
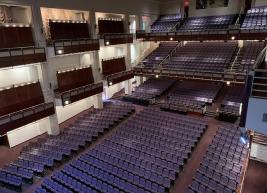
x=74, y=79
x=113, y=66
x=18, y=98
x=60, y=30
x=16, y=37
x=109, y=26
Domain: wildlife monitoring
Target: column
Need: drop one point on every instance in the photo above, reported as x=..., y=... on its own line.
x=128, y=57
x=98, y=101
x=128, y=87
x=96, y=67
x=126, y=24
x=38, y=25
x=92, y=21
x=54, y=126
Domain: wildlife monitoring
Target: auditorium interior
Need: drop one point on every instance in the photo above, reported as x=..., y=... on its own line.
x=133, y=96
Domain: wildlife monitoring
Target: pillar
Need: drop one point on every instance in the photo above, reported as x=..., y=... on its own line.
x=92, y=21
x=128, y=87
x=38, y=25
x=126, y=24
x=98, y=101
x=128, y=57
x=54, y=126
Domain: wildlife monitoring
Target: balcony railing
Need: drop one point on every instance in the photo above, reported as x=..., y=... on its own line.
x=25, y=116
x=119, y=77
x=113, y=39
x=20, y=56
x=79, y=93
x=69, y=46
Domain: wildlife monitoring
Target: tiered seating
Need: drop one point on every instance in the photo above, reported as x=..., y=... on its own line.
x=159, y=54
x=145, y=154
x=191, y=96
x=148, y=92
x=223, y=165
x=206, y=56
x=208, y=23
x=248, y=55
x=166, y=23
x=230, y=107
x=256, y=19
x=37, y=157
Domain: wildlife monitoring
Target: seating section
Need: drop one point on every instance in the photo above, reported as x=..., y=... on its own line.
x=36, y=158
x=113, y=66
x=223, y=164
x=68, y=29
x=145, y=154
x=248, y=55
x=166, y=23
x=194, y=24
x=191, y=96
x=109, y=25
x=255, y=19
x=148, y=92
x=161, y=52
x=203, y=56
x=230, y=107
x=74, y=78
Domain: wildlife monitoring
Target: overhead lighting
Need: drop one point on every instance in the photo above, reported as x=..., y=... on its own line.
x=110, y=83
x=157, y=76
x=60, y=52
x=66, y=102
x=171, y=38
x=228, y=83
x=233, y=37
x=107, y=43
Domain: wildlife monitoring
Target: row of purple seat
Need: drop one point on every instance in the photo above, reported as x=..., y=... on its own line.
x=166, y=23
x=203, y=56
x=208, y=23
x=248, y=55
x=157, y=56
x=37, y=157
x=150, y=90
x=145, y=154
x=223, y=165
x=191, y=96
x=256, y=18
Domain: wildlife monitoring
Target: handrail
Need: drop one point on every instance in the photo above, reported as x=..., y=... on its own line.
x=260, y=58
x=236, y=57
x=169, y=55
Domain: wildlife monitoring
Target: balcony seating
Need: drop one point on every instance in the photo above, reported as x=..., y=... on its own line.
x=255, y=19
x=113, y=66
x=166, y=23
x=206, y=56
x=247, y=56
x=36, y=157
x=230, y=107
x=191, y=96
x=145, y=154
x=223, y=165
x=159, y=54
x=194, y=24
x=148, y=92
